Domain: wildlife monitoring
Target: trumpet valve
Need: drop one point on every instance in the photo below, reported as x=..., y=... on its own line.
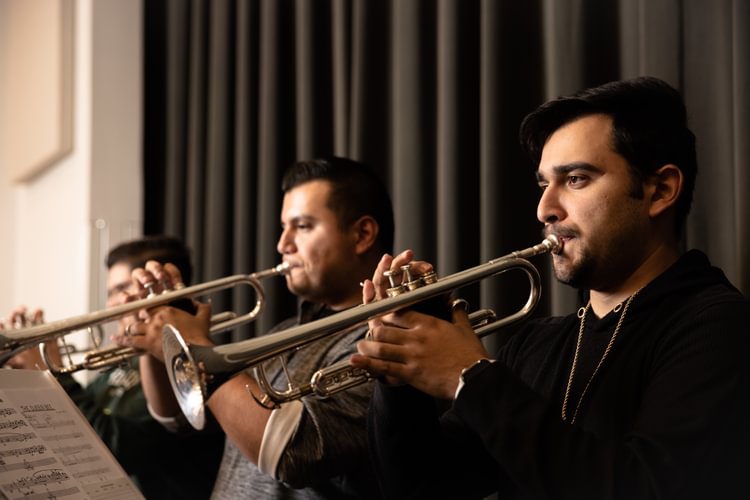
x=414, y=282
x=408, y=281
x=411, y=283
x=395, y=288
x=429, y=278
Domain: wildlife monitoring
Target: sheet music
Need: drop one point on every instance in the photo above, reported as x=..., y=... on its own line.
x=48, y=449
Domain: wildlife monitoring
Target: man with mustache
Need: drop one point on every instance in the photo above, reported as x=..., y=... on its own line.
x=640, y=394
x=336, y=222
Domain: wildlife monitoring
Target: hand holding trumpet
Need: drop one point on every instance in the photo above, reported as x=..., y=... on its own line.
x=145, y=333
x=18, y=318
x=414, y=348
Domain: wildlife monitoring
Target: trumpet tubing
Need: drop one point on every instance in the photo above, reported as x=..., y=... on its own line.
x=342, y=375
x=96, y=359
x=196, y=371
x=13, y=341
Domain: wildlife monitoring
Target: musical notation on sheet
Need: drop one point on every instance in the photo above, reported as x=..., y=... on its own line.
x=47, y=448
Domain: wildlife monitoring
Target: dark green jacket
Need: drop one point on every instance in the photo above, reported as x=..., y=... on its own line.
x=164, y=465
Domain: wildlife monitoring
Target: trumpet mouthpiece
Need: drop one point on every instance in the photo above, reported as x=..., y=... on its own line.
x=283, y=268
x=556, y=244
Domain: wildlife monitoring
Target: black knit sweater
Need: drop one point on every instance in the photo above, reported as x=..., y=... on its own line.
x=666, y=416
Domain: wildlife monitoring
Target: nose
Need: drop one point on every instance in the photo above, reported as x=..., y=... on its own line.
x=550, y=210
x=285, y=245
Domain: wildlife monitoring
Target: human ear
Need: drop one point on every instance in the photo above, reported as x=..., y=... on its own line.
x=365, y=230
x=667, y=183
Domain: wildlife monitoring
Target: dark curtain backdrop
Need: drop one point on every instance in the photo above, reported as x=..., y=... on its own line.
x=430, y=93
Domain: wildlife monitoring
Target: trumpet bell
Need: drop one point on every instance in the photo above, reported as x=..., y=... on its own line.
x=189, y=388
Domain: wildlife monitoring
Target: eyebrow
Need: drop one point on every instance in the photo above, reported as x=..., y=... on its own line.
x=562, y=170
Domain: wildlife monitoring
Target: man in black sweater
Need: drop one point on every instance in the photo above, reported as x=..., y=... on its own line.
x=643, y=393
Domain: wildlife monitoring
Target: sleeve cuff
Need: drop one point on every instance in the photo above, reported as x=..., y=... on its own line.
x=279, y=430
x=467, y=372
x=172, y=424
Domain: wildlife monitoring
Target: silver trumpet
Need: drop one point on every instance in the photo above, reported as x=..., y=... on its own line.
x=16, y=340
x=197, y=371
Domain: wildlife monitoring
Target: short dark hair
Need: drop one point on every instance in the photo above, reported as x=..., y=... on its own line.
x=161, y=248
x=649, y=128
x=356, y=190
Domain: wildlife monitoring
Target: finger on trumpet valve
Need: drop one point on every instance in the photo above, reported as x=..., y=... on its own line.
x=150, y=286
x=395, y=288
x=414, y=282
x=408, y=281
x=166, y=284
x=19, y=320
x=428, y=278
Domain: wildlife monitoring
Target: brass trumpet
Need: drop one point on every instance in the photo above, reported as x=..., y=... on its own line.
x=13, y=341
x=196, y=371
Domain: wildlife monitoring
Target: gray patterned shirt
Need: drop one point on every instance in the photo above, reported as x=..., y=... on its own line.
x=326, y=455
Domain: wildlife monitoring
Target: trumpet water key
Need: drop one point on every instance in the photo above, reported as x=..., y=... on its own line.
x=196, y=371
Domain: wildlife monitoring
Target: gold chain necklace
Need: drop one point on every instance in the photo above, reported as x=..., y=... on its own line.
x=582, y=314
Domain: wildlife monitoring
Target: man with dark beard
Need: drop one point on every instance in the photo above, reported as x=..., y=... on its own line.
x=640, y=394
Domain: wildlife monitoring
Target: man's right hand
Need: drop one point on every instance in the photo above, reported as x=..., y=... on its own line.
x=413, y=348
x=146, y=333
